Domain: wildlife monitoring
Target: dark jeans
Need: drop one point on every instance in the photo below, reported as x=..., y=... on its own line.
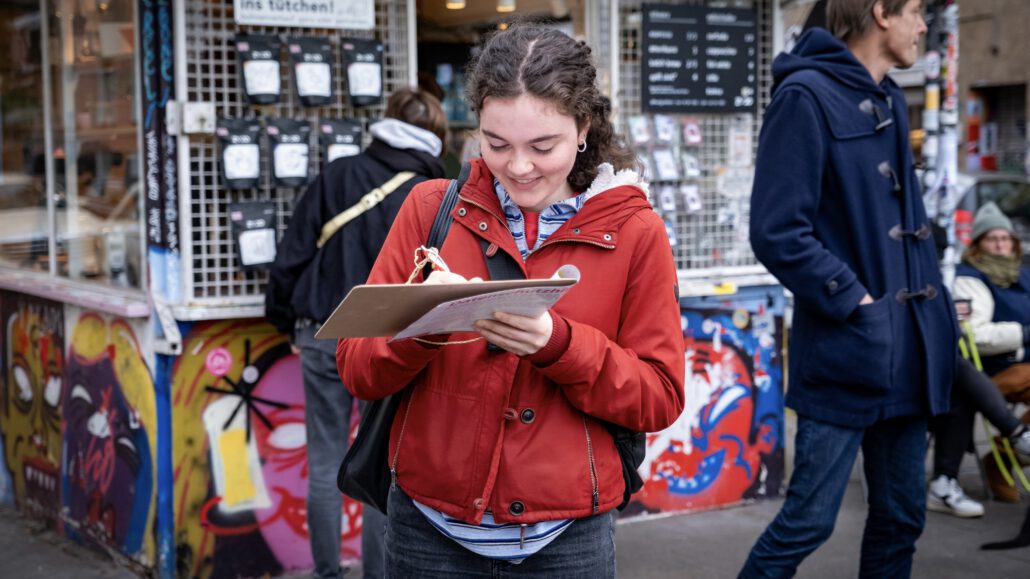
x=416, y=550
x=972, y=392
x=327, y=418
x=893, y=452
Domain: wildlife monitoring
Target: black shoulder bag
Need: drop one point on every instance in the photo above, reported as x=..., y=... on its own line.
x=365, y=472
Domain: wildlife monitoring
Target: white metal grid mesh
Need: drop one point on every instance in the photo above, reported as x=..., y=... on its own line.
x=214, y=276
x=710, y=240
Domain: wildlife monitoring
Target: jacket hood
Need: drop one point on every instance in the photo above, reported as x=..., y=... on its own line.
x=611, y=198
x=819, y=50
x=401, y=135
x=397, y=160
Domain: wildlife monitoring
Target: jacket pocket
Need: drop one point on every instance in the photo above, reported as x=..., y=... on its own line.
x=855, y=354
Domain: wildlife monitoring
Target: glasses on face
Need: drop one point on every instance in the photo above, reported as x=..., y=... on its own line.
x=1000, y=238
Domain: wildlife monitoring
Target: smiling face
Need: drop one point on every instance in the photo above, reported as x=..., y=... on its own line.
x=530, y=147
x=904, y=31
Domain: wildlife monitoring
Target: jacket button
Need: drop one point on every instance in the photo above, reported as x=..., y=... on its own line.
x=576, y=231
x=462, y=212
x=477, y=504
x=832, y=285
x=516, y=508
x=482, y=226
x=528, y=416
x=607, y=236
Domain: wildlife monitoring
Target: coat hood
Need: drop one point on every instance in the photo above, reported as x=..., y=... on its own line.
x=819, y=50
x=397, y=160
x=611, y=198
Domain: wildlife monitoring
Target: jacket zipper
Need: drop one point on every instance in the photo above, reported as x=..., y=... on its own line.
x=470, y=202
x=586, y=241
x=593, y=471
x=400, y=438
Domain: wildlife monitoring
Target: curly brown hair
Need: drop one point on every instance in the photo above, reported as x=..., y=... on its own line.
x=549, y=65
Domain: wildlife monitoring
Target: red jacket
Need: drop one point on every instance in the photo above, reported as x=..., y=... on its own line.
x=469, y=443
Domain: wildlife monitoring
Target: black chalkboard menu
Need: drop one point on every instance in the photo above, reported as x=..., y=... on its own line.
x=698, y=59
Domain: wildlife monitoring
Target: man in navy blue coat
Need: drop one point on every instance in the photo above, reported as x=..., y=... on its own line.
x=837, y=217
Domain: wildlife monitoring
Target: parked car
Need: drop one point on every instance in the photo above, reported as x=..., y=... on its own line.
x=1011, y=192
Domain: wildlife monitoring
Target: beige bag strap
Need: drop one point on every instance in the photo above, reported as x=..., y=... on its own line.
x=370, y=200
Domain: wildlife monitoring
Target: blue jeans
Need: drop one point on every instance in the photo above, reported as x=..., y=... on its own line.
x=893, y=453
x=327, y=418
x=415, y=549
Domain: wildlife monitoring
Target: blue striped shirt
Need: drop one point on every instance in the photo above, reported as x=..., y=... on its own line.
x=551, y=218
x=510, y=542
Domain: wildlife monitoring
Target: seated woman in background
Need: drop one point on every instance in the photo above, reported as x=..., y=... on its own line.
x=998, y=288
x=971, y=392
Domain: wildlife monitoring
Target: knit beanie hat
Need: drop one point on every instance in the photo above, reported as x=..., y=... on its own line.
x=990, y=217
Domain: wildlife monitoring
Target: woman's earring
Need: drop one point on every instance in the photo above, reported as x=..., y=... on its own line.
x=582, y=147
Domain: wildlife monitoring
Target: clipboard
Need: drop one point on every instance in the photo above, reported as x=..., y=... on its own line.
x=372, y=311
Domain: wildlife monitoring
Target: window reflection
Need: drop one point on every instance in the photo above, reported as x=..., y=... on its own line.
x=96, y=177
x=23, y=213
x=94, y=149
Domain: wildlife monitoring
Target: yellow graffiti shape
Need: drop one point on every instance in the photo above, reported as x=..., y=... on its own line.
x=32, y=408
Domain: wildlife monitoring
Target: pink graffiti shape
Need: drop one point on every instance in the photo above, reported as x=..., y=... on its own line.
x=218, y=361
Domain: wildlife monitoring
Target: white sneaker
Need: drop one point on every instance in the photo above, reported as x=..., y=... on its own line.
x=1021, y=445
x=946, y=496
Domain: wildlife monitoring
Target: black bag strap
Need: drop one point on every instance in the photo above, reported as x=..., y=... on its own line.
x=442, y=221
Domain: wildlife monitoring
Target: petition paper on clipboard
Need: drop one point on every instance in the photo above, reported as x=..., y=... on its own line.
x=459, y=315
x=407, y=310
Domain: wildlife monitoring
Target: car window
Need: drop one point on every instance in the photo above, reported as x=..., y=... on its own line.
x=1012, y=197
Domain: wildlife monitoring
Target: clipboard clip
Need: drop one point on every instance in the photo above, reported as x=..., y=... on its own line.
x=427, y=255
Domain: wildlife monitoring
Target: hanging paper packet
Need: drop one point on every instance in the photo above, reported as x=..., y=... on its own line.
x=241, y=152
x=339, y=138
x=363, y=61
x=290, y=145
x=253, y=228
x=312, y=60
x=258, y=55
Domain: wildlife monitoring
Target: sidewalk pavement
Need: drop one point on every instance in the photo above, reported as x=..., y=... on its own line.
x=704, y=545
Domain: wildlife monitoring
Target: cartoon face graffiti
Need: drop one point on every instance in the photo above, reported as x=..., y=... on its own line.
x=108, y=473
x=282, y=444
x=234, y=490
x=714, y=453
x=31, y=407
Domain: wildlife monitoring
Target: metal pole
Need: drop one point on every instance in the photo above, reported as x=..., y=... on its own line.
x=412, y=45
x=48, y=140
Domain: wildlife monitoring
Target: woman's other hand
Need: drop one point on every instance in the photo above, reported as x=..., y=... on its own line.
x=520, y=335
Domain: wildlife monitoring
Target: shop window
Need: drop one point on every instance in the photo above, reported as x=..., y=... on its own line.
x=90, y=228
x=23, y=208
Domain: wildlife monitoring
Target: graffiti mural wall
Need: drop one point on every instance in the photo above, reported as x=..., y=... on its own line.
x=30, y=411
x=78, y=424
x=239, y=461
x=728, y=444
x=109, y=411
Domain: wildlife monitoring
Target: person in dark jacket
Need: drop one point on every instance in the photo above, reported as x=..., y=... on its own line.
x=837, y=217
x=307, y=282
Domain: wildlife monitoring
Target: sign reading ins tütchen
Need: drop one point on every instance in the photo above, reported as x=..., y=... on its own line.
x=350, y=14
x=698, y=59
